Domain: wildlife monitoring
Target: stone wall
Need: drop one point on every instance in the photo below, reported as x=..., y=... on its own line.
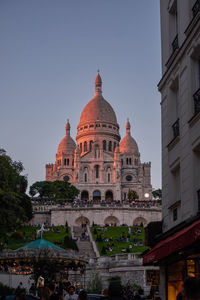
x=122, y=215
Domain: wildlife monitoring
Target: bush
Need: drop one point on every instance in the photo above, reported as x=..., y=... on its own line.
x=94, y=285
x=17, y=235
x=69, y=243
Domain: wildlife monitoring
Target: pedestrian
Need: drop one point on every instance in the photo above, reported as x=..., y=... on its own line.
x=191, y=288
x=71, y=293
x=82, y=295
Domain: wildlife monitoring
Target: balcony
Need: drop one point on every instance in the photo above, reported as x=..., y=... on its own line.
x=196, y=98
x=196, y=8
x=175, y=129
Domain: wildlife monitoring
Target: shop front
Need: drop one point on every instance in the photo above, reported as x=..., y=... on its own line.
x=178, y=256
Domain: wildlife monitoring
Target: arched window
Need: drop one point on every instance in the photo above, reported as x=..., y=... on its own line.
x=129, y=161
x=68, y=162
x=65, y=161
x=114, y=146
x=96, y=171
x=122, y=162
x=81, y=147
x=85, y=177
x=85, y=146
x=108, y=177
x=72, y=162
x=90, y=146
x=110, y=146
x=97, y=154
x=136, y=161
x=104, y=145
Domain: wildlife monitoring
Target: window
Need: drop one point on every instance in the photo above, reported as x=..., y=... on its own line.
x=97, y=154
x=66, y=178
x=96, y=171
x=68, y=162
x=85, y=146
x=81, y=147
x=65, y=161
x=108, y=177
x=173, y=25
x=129, y=177
x=127, y=161
x=136, y=161
x=110, y=146
x=173, y=110
x=72, y=162
x=196, y=82
x=85, y=177
x=90, y=147
x=130, y=161
x=122, y=162
x=175, y=215
x=114, y=146
x=198, y=199
x=104, y=145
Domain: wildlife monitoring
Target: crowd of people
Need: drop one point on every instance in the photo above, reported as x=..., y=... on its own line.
x=115, y=291
x=43, y=205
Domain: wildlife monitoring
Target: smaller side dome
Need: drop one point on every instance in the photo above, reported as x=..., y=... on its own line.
x=128, y=144
x=67, y=145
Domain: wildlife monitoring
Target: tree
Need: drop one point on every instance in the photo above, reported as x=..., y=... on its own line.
x=59, y=191
x=132, y=195
x=157, y=194
x=15, y=205
x=94, y=285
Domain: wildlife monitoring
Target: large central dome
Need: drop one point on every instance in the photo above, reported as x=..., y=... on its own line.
x=98, y=109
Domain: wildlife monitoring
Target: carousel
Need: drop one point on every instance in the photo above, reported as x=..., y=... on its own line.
x=41, y=258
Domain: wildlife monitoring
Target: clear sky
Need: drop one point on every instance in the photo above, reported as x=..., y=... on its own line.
x=50, y=51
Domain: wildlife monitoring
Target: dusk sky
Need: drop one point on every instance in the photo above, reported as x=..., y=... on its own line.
x=50, y=51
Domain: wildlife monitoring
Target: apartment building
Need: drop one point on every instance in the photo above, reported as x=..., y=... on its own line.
x=177, y=250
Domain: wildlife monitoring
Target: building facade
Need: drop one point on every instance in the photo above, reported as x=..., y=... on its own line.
x=177, y=250
x=101, y=166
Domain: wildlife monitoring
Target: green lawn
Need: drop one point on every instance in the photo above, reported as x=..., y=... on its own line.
x=118, y=246
x=56, y=234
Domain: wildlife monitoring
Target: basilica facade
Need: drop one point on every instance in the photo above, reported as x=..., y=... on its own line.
x=101, y=165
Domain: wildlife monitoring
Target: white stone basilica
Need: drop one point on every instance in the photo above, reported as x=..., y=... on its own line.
x=99, y=165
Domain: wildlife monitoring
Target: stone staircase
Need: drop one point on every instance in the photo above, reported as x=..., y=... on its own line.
x=84, y=245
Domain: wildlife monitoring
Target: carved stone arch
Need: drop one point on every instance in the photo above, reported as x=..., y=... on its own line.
x=109, y=195
x=97, y=196
x=84, y=195
x=139, y=221
x=82, y=220
x=112, y=220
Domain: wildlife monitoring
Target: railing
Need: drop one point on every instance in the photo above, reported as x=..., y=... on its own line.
x=196, y=8
x=175, y=43
x=196, y=98
x=175, y=128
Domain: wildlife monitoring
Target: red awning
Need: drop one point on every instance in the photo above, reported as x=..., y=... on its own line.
x=173, y=243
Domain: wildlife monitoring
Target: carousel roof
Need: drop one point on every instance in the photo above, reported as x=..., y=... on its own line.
x=40, y=245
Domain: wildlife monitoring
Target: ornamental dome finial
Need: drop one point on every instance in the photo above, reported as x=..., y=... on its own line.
x=67, y=127
x=98, y=84
x=128, y=127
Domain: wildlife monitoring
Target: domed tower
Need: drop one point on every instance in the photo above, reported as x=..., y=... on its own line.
x=98, y=124
x=135, y=176
x=97, y=138
x=64, y=164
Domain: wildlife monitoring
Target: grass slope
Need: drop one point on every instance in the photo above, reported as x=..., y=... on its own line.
x=55, y=235
x=117, y=246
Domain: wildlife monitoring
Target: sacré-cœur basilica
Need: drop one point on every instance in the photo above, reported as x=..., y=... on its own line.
x=101, y=166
